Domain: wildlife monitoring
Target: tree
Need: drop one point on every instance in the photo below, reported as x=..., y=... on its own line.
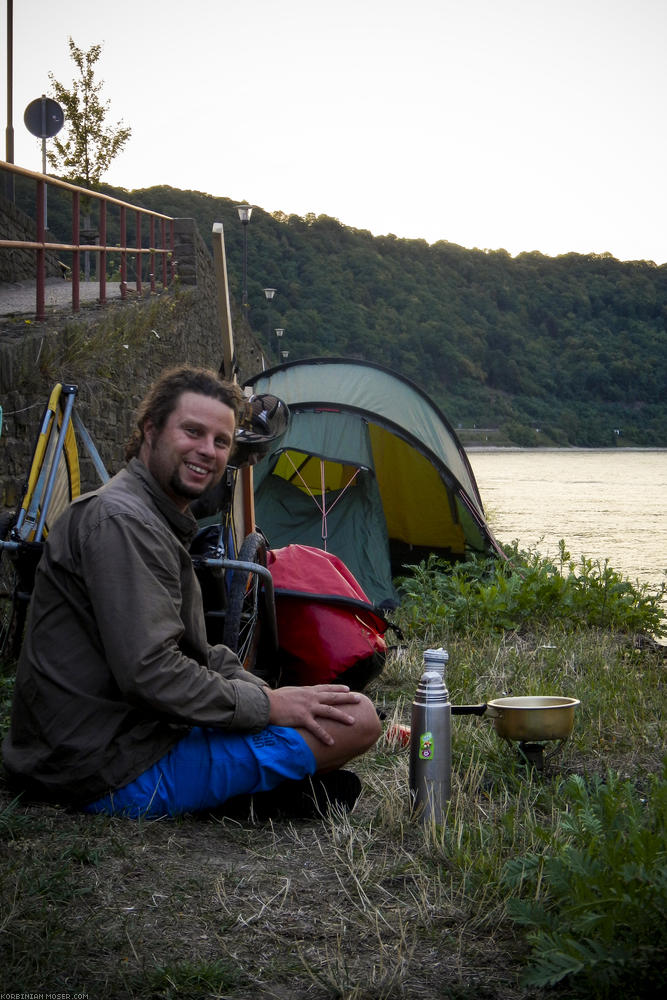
x=88, y=145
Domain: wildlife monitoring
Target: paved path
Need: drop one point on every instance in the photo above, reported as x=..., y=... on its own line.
x=19, y=298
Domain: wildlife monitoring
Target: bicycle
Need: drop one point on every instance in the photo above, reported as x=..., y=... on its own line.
x=237, y=587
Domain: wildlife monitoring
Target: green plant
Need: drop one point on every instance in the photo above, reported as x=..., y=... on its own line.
x=13, y=820
x=595, y=907
x=527, y=591
x=185, y=980
x=6, y=694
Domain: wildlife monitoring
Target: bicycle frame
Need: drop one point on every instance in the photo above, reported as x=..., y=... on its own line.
x=237, y=589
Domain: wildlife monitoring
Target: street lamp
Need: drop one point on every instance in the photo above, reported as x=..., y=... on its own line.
x=9, y=131
x=245, y=211
x=279, y=332
x=269, y=293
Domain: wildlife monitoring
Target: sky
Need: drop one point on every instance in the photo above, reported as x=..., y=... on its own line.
x=516, y=124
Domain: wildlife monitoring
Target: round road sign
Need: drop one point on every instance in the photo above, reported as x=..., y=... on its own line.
x=44, y=117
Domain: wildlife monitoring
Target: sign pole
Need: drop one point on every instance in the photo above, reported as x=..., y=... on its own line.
x=44, y=118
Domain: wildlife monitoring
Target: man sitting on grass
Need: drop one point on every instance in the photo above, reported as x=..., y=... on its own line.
x=120, y=704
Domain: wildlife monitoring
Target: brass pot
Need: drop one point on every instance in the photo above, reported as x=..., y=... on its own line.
x=533, y=719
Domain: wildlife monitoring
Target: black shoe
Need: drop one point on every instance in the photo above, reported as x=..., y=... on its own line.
x=334, y=790
x=311, y=798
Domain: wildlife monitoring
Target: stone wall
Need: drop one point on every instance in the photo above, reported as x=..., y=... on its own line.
x=15, y=264
x=112, y=353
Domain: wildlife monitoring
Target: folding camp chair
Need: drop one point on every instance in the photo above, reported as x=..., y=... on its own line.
x=53, y=481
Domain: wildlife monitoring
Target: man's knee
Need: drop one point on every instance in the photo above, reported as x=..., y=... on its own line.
x=367, y=727
x=350, y=741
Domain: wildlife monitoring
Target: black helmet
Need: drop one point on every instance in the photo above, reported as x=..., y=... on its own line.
x=265, y=420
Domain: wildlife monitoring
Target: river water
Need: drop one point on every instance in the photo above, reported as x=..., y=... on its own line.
x=607, y=504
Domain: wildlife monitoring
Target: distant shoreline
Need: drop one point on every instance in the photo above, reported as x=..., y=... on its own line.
x=512, y=447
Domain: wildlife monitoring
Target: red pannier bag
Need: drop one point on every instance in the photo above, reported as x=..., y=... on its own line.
x=328, y=630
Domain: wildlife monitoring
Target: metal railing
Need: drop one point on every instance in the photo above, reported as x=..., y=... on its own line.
x=160, y=239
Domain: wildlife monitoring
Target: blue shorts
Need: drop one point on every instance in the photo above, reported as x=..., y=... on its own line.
x=209, y=766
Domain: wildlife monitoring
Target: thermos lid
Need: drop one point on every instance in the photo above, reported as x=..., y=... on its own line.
x=431, y=689
x=436, y=655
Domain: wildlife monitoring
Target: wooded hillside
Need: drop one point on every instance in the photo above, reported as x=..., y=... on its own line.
x=566, y=350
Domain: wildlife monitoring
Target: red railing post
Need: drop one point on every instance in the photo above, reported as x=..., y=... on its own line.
x=102, y=256
x=152, y=253
x=40, y=261
x=123, y=253
x=163, y=244
x=138, y=242
x=76, y=262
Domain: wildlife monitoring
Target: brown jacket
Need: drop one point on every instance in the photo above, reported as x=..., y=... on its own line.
x=116, y=668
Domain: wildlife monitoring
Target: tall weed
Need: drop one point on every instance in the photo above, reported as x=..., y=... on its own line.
x=527, y=591
x=595, y=905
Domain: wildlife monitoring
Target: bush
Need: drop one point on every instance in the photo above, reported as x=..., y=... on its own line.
x=595, y=909
x=527, y=591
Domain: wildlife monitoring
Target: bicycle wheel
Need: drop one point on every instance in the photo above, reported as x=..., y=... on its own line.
x=243, y=614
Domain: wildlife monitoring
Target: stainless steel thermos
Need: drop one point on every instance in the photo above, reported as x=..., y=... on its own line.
x=431, y=741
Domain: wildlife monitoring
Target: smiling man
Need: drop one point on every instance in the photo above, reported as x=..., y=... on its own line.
x=120, y=704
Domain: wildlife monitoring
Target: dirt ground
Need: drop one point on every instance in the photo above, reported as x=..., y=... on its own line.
x=217, y=907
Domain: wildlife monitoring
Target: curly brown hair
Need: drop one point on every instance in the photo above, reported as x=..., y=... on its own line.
x=161, y=399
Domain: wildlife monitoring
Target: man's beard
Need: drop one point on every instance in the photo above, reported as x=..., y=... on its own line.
x=179, y=488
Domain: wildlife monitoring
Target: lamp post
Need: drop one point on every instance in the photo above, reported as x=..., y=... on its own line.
x=245, y=211
x=279, y=332
x=9, y=131
x=269, y=293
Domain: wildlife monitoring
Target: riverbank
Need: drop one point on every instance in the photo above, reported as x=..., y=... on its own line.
x=368, y=906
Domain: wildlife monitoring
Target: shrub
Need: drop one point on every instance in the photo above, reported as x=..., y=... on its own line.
x=527, y=591
x=595, y=909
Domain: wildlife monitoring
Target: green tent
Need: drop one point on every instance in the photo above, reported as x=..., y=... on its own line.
x=369, y=469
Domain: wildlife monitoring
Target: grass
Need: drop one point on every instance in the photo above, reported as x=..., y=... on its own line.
x=368, y=906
